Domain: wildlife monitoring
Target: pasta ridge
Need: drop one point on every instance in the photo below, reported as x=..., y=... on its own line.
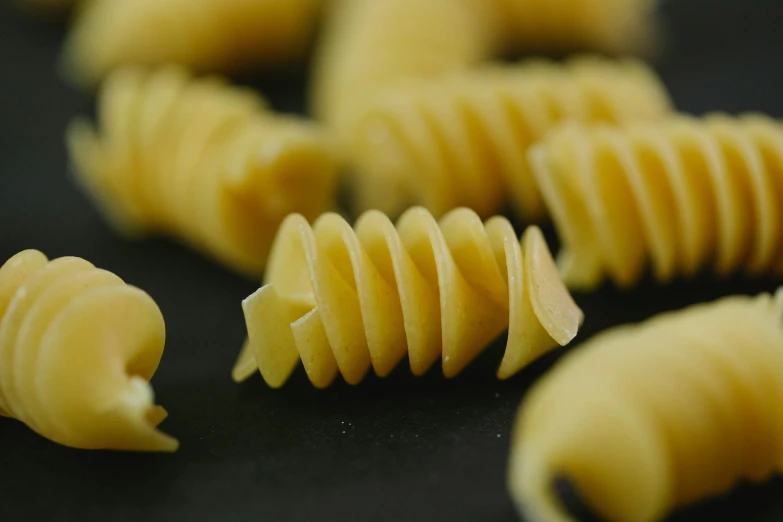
x=344, y=299
x=461, y=139
x=672, y=194
x=648, y=418
x=201, y=160
x=78, y=347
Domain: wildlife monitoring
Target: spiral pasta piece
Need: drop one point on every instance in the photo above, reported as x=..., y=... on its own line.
x=368, y=45
x=568, y=25
x=340, y=299
x=676, y=194
x=202, y=161
x=648, y=418
x=461, y=140
x=203, y=35
x=77, y=350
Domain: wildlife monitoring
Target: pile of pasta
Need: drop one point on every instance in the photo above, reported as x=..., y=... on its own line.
x=78, y=347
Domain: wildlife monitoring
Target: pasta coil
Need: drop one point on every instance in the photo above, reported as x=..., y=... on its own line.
x=645, y=419
x=77, y=349
x=201, y=161
x=461, y=140
x=202, y=35
x=340, y=299
x=369, y=45
x=675, y=194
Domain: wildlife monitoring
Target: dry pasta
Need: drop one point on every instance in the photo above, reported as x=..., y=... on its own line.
x=77, y=350
x=368, y=45
x=461, y=140
x=645, y=419
x=344, y=300
x=202, y=161
x=607, y=25
x=203, y=35
x=676, y=194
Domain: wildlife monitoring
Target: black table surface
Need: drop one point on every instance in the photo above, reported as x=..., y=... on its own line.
x=402, y=448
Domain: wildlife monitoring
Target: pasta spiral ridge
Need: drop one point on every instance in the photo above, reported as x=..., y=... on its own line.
x=344, y=299
x=674, y=194
x=369, y=46
x=202, y=35
x=645, y=419
x=202, y=161
x=461, y=140
x=77, y=350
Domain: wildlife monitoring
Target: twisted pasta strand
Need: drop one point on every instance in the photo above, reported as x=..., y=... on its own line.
x=461, y=140
x=647, y=418
x=343, y=300
x=369, y=45
x=203, y=35
x=77, y=350
x=677, y=194
x=202, y=161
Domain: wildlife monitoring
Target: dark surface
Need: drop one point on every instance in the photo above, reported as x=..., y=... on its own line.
x=398, y=449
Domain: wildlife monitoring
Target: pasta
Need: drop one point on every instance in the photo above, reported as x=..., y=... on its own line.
x=203, y=35
x=646, y=419
x=368, y=45
x=676, y=194
x=77, y=350
x=567, y=25
x=202, y=161
x=343, y=300
x=461, y=140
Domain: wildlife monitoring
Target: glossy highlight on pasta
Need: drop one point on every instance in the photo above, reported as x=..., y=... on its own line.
x=202, y=161
x=461, y=140
x=78, y=347
x=678, y=195
x=343, y=300
x=202, y=35
x=648, y=418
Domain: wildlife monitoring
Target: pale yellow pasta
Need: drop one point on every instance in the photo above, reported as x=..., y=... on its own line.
x=344, y=300
x=77, y=350
x=567, y=25
x=203, y=35
x=461, y=139
x=368, y=45
x=202, y=161
x=644, y=419
x=677, y=195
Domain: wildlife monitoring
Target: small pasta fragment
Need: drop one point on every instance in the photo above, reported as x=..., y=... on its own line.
x=78, y=347
x=202, y=161
x=676, y=194
x=368, y=45
x=342, y=300
x=618, y=26
x=202, y=35
x=645, y=419
x=461, y=139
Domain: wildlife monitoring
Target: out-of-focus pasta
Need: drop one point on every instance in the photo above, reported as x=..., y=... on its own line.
x=203, y=35
x=461, y=139
x=368, y=45
x=676, y=194
x=644, y=419
x=342, y=300
x=77, y=350
x=202, y=161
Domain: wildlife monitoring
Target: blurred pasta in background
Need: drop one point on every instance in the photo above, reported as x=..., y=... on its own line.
x=203, y=35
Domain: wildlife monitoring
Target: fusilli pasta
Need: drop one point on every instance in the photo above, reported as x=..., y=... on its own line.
x=77, y=350
x=678, y=193
x=202, y=161
x=644, y=419
x=340, y=299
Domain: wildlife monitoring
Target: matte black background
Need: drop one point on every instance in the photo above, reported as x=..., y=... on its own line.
x=398, y=449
